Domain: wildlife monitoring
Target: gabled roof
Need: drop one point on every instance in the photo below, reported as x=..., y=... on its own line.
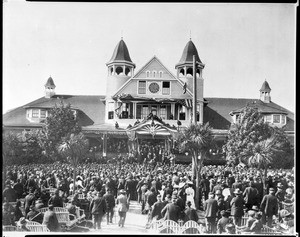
x=217, y=111
x=265, y=87
x=187, y=55
x=91, y=109
x=121, y=54
x=142, y=69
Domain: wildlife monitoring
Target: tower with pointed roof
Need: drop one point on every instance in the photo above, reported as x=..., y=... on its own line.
x=265, y=92
x=185, y=72
x=120, y=68
x=49, y=88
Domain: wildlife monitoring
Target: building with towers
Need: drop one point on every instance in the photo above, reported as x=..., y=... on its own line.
x=151, y=102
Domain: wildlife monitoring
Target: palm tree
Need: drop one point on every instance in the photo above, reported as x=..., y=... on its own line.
x=197, y=139
x=261, y=156
x=74, y=148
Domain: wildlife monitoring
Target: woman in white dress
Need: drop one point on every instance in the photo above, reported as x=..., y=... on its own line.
x=190, y=194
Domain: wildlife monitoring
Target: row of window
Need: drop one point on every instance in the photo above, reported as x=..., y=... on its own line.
x=154, y=74
x=154, y=87
x=275, y=118
x=36, y=113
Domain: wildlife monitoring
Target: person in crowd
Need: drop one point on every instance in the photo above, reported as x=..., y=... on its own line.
x=157, y=208
x=222, y=222
x=250, y=195
x=56, y=200
x=29, y=200
x=190, y=212
x=98, y=209
x=122, y=207
x=211, y=208
x=257, y=225
x=144, y=189
x=35, y=215
x=171, y=211
x=18, y=212
x=269, y=207
x=237, y=207
x=19, y=189
x=280, y=194
x=190, y=194
x=130, y=187
x=250, y=221
x=50, y=219
x=110, y=205
x=7, y=213
x=9, y=193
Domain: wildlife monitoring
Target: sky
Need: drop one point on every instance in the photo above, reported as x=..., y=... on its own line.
x=241, y=45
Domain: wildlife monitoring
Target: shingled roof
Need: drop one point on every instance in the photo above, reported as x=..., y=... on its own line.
x=187, y=55
x=91, y=109
x=121, y=54
x=217, y=111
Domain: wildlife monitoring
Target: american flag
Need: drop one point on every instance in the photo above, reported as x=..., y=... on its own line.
x=187, y=103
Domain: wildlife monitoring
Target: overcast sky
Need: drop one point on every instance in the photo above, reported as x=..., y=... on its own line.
x=241, y=45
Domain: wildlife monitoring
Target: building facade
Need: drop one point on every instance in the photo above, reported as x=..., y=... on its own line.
x=149, y=105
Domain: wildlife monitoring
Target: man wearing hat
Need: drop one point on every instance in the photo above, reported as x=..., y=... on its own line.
x=56, y=200
x=280, y=194
x=171, y=211
x=237, y=207
x=98, y=209
x=123, y=206
x=157, y=208
x=29, y=200
x=250, y=195
x=110, y=204
x=269, y=207
x=211, y=208
x=9, y=193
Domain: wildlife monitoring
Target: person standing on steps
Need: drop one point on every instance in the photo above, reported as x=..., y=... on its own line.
x=110, y=204
x=123, y=207
x=98, y=209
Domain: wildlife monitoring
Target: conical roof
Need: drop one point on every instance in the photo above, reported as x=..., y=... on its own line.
x=265, y=87
x=121, y=53
x=50, y=82
x=188, y=52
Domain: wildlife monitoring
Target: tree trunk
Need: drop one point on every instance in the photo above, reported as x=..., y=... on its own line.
x=264, y=180
x=197, y=196
x=74, y=179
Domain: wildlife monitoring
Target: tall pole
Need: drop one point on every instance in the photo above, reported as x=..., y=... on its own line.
x=194, y=91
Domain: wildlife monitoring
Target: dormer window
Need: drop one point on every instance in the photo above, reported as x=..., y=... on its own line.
x=276, y=118
x=35, y=113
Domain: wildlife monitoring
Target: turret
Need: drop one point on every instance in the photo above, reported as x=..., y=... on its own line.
x=49, y=88
x=265, y=92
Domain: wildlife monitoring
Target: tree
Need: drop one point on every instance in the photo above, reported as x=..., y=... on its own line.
x=261, y=156
x=60, y=123
x=197, y=139
x=74, y=147
x=249, y=130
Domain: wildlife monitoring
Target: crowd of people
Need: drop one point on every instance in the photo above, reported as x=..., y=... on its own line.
x=164, y=191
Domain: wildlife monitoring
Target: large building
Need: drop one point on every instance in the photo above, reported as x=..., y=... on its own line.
x=123, y=112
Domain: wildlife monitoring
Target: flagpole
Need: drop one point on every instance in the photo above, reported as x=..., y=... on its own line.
x=194, y=91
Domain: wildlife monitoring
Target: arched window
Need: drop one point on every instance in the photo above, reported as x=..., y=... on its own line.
x=160, y=74
x=154, y=73
x=148, y=74
x=119, y=70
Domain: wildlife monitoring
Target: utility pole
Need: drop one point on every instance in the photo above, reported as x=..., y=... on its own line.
x=194, y=91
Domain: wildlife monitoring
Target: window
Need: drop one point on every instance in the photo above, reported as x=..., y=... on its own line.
x=145, y=111
x=43, y=113
x=182, y=113
x=142, y=87
x=154, y=73
x=35, y=113
x=163, y=112
x=166, y=88
x=111, y=106
x=276, y=118
x=160, y=74
x=268, y=118
x=147, y=74
x=283, y=117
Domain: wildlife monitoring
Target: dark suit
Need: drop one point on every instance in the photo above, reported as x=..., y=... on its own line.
x=110, y=204
x=237, y=209
x=191, y=214
x=50, y=220
x=171, y=212
x=211, y=208
x=251, y=197
x=56, y=201
x=98, y=208
x=156, y=210
x=130, y=188
x=269, y=207
x=29, y=200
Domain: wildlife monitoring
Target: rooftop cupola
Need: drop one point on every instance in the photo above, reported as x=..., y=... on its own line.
x=265, y=92
x=49, y=88
x=120, y=62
